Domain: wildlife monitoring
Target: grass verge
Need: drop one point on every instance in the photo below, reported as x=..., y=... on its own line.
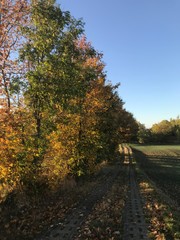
x=162, y=217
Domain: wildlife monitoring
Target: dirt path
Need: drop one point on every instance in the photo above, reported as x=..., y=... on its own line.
x=67, y=229
x=135, y=226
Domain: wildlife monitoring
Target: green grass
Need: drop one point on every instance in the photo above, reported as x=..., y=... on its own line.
x=165, y=149
x=162, y=164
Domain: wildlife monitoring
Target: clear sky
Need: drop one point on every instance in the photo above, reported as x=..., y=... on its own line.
x=140, y=40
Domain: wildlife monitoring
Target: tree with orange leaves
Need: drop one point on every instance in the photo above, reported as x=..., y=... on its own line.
x=13, y=15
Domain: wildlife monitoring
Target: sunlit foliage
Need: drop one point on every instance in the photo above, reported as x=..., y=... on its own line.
x=59, y=116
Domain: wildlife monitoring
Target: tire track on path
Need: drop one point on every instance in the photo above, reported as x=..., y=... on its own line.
x=135, y=227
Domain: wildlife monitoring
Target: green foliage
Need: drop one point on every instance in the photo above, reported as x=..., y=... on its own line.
x=66, y=119
x=144, y=134
x=164, y=132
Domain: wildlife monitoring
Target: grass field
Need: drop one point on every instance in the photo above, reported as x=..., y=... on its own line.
x=162, y=164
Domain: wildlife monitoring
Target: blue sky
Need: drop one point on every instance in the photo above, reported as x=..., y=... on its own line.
x=140, y=40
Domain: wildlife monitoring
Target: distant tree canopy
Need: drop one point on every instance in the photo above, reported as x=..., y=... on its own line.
x=58, y=114
x=162, y=132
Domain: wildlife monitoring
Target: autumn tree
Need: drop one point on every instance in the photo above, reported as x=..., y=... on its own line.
x=77, y=122
x=118, y=125
x=88, y=127
x=46, y=51
x=166, y=131
x=162, y=131
x=175, y=123
x=67, y=118
x=13, y=15
x=89, y=102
